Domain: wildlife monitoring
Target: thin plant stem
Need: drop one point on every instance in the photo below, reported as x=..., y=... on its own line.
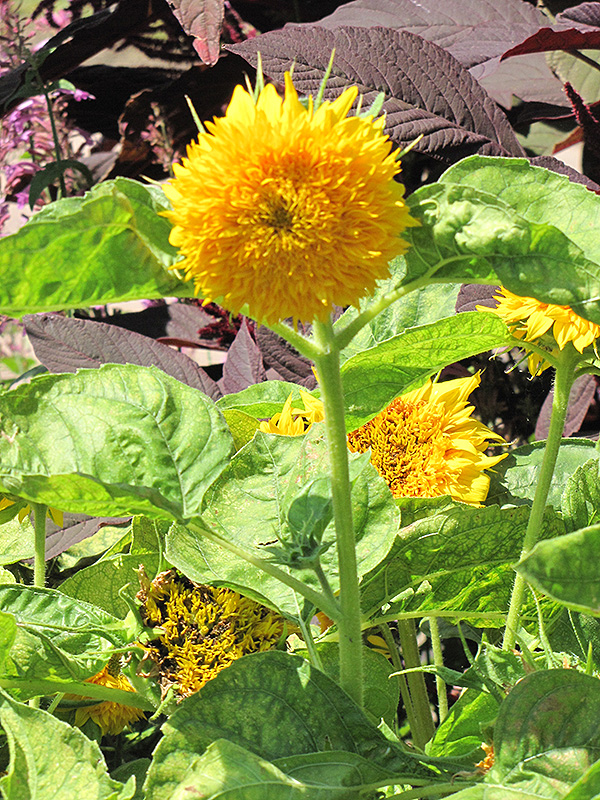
x=586, y=59
x=325, y=585
x=565, y=375
x=416, y=683
x=438, y=660
x=330, y=383
x=39, y=560
x=57, y=149
x=316, y=598
x=404, y=692
x=434, y=790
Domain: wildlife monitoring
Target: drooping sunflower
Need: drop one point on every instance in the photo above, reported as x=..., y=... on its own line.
x=550, y=325
x=110, y=717
x=426, y=443
x=201, y=629
x=286, y=208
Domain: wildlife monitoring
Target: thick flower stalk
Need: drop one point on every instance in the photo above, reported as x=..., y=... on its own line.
x=287, y=209
x=426, y=443
x=548, y=325
x=201, y=629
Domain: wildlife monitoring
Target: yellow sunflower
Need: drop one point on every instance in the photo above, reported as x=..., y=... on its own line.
x=295, y=421
x=426, y=444
x=287, y=208
x=110, y=717
x=530, y=320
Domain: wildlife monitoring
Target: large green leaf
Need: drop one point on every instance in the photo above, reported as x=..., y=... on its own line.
x=276, y=706
x=16, y=541
x=108, y=246
x=261, y=400
x=118, y=440
x=57, y=638
x=580, y=502
x=248, y=506
x=50, y=760
x=461, y=734
x=472, y=236
x=373, y=378
x=514, y=479
x=536, y=194
x=459, y=559
x=566, y=569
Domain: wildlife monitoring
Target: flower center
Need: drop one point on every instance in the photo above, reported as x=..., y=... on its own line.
x=277, y=214
x=407, y=447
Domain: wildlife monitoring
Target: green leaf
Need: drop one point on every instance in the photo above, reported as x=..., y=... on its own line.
x=459, y=559
x=99, y=584
x=16, y=541
x=536, y=194
x=113, y=441
x=547, y=734
x=472, y=236
x=248, y=505
x=148, y=535
x=51, y=760
x=276, y=706
x=373, y=378
x=261, y=400
x=242, y=426
x=461, y=734
x=514, y=479
x=382, y=693
x=580, y=502
x=109, y=246
x=57, y=638
x=421, y=307
x=566, y=569
x=588, y=786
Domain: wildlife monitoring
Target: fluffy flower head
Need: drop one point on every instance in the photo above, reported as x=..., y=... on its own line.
x=286, y=208
x=426, y=444
x=530, y=320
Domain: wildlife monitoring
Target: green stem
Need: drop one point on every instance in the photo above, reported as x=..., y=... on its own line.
x=398, y=665
x=57, y=149
x=325, y=585
x=416, y=683
x=303, y=345
x=438, y=660
x=316, y=598
x=586, y=59
x=434, y=790
x=565, y=375
x=39, y=560
x=330, y=383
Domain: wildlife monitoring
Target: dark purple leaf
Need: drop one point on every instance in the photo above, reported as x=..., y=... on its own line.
x=584, y=14
x=280, y=356
x=77, y=527
x=185, y=320
x=582, y=394
x=456, y=120
x=65, y=345
x=201, y=19
x=547, y=39
x=472, y=295
x=244, y=364
x=473, y=31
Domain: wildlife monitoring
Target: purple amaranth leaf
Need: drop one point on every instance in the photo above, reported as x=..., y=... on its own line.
x=472, y=295
x=547, y=39
x=244, y=364
x=582, y=394
x=584, y=14
x=286, y=361
x=427, y=91
x=185, y=320
x=203, y=20
x=473, y=31
x=76, y=528
x=65, y=345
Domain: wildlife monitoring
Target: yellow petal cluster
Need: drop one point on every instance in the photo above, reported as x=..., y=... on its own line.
x=286, y=208
x=201, y=629
x=295, y=421
x=530, y=320
x=55, y=515
x=426, y=443
x=110, y=717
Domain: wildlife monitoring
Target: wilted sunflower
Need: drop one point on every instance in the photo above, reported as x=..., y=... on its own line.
x=110, y=717
x=201, y=629
x=426, y=444
x=295, y=421
x=530, y=320
x=287, y=208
